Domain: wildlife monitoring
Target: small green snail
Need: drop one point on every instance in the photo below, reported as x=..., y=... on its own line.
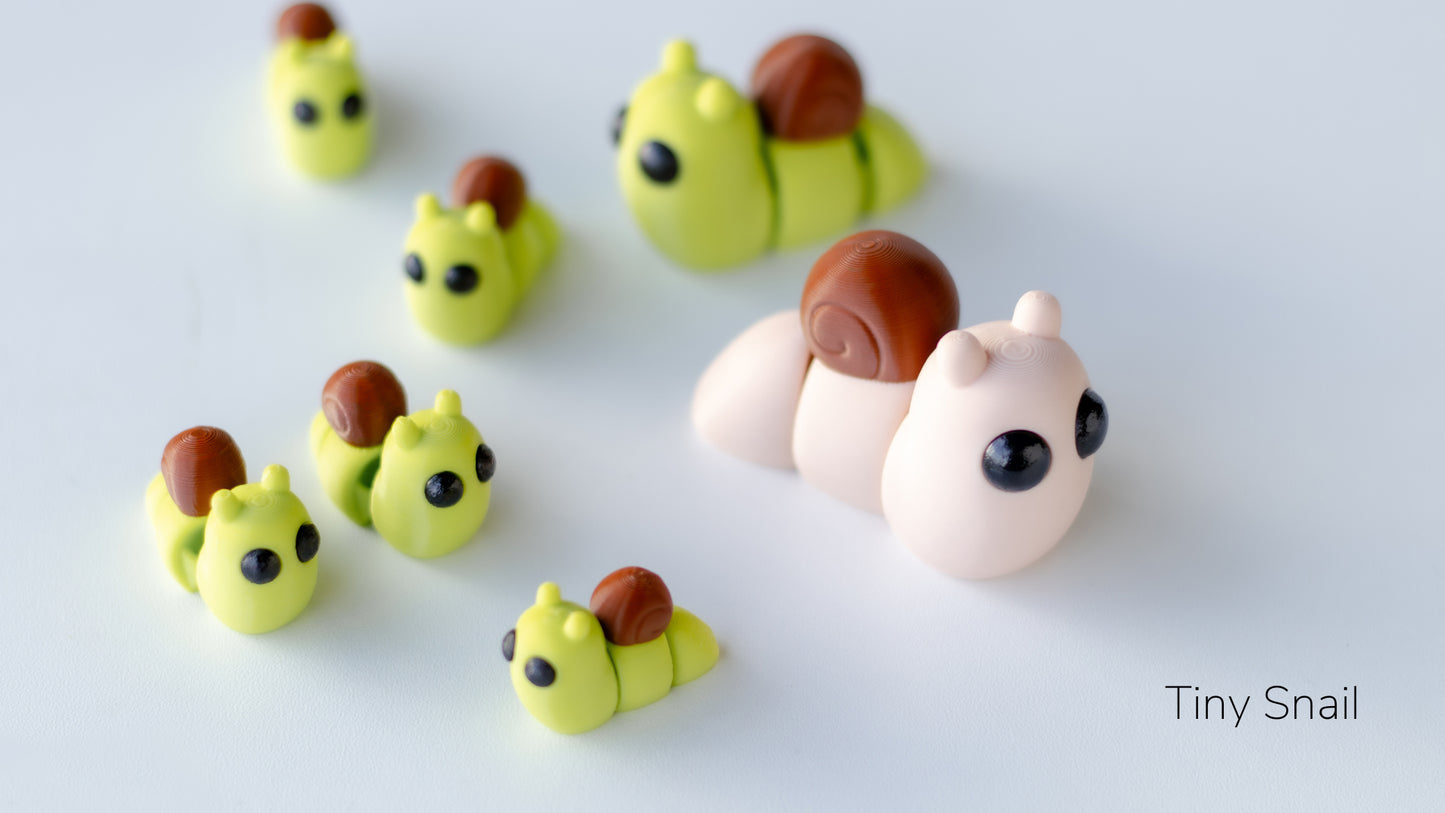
x=573, y=668
x=716, y=180
x=424, y=480
x=468, y=267
x=317, y=99
x=248, y=548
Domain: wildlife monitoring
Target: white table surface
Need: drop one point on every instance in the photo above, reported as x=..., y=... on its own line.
x=1239, y=205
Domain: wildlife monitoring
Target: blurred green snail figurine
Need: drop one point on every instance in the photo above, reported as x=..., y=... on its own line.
x=716, y=180
x=424, y=480
x=316, y=97
x=249, y=549
x=469, y=266
x=573, y=667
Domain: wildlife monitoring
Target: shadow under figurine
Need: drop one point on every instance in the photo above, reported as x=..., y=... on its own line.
x=424, y=479
x=316, y=97
x=249, y=549
x=716, y=180
x=977, y=445
x=574, y=667
x=468, y=267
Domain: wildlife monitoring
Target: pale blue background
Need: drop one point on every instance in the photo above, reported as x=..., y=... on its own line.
x=1238, y=203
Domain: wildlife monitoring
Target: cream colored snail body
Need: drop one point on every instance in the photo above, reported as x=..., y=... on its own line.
x=975, y=444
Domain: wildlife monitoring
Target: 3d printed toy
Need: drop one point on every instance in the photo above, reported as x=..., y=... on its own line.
x=469, y=266
x=316, y=96
x=961, y=438
x=716, y=180
x=249, y=549
x=423, y=479
x=573, y=668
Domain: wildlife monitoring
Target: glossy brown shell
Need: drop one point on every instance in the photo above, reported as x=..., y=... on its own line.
x=494, y=180
x=305, y=20
x=199, y=462
x=361, y=400
x=633, y=605
x=876, y=304
x=808, y=88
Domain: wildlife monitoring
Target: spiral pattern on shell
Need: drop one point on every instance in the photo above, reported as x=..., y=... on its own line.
x=307, y=21
x=808, y=88
x=875, y=305
x=633, y=606
x=361, y=400
x=494, y=180
x=199, y=462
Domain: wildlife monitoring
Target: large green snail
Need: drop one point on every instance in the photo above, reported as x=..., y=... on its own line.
x=715, y=179
x=573, y=667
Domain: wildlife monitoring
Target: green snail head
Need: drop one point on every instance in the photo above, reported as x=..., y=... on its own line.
x=689, y=160
x=257, y=567
x=321, y=106
x=433, y=487
x=559, y=663
x=459, y=284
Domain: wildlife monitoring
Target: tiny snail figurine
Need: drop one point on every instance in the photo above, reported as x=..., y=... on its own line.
x=716, y=180
x=316, y=96
x=248, y=548
x=573, y=667
x=423, y=479
x=991, y=465
x=468, y=267
x=958, y=437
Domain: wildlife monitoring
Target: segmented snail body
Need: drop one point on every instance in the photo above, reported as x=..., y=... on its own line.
x=715, y=179
x=574, y=667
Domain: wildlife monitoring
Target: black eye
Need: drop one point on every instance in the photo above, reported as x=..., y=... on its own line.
x=308, y=540
x=305, y=112
x=540, y=672
x=352, y=106
x=509, y=644
x=461, y=278
x=261, y=566
x=617, y=123
x=658, y=162
x=1016, y=461
x=412, y=265
x=1091, y=423
x=444, y=489
x=486, y=463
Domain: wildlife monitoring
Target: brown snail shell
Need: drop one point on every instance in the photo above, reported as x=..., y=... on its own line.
x=808, y=88
x=199, y=462
x=361, y=400
x=633, y=605
x=494, y=180
x=876, y=304
x=307, y=21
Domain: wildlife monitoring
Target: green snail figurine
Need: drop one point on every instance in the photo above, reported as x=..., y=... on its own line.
x=716, y=180
x=469, y=266
x=249, y=549
x=573, y=667
x=317, y=99
x=424, y=480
